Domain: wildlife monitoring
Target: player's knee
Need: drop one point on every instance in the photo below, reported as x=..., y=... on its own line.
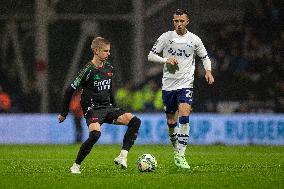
x=125, y=118
x=94, y=127
x=129, y=116
x=171, y=121
x=172, y=125
x=184, y=119
x=184, y=109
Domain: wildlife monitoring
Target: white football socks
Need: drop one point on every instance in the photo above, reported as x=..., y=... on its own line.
x=183, y=134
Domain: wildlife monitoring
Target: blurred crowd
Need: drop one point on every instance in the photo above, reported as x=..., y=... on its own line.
x=249, y=60
x=248, y=64
x=144, y=98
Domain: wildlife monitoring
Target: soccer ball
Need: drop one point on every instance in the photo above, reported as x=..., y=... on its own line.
x=146, y=163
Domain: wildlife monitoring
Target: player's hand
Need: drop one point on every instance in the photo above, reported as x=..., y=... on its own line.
x=209, y=77
x=172, y=61
x=61, y=118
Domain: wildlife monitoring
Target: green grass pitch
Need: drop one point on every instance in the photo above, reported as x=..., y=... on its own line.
x=217, y=166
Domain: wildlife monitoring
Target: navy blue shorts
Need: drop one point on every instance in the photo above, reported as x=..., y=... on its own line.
x=172, y=99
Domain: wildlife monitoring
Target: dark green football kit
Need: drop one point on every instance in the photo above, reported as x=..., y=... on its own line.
x=97, y=99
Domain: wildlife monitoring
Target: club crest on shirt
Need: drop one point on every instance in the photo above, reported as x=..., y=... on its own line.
x=97, y=77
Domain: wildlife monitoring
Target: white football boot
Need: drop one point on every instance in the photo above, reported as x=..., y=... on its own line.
x=75, y=169
x=119, y=160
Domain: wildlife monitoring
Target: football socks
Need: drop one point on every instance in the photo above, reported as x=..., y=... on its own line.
x=131, y=133
x=183, y=134
x=173, y=129
x=87, y=146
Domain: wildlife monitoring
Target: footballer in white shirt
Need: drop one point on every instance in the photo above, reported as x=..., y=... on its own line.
x=179, y=48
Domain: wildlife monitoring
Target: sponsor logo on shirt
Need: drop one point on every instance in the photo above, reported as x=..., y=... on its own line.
x=102, y=85
x=178, y=52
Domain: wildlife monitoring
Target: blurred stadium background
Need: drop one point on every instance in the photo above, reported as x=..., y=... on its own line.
x=44, y=43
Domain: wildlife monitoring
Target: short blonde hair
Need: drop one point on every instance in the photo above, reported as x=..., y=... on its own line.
x=98, y=42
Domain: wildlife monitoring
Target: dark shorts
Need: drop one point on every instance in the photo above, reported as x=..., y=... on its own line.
x=171, y=99
x=103, y=115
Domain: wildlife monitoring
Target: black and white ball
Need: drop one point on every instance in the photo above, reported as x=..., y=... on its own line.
x=146, y=163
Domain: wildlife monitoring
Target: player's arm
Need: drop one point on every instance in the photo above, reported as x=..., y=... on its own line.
x=207, y=66
x=159, y=45
x=111, y=96
x=111, y=91
x=81, y=76
x=152, y=57
x=66, y=101
x=202, y=53
x=209, y=77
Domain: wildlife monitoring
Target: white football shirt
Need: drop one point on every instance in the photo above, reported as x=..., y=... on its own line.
x=184, y=49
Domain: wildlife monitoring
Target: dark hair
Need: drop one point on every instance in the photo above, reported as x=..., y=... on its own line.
x=181, y=12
